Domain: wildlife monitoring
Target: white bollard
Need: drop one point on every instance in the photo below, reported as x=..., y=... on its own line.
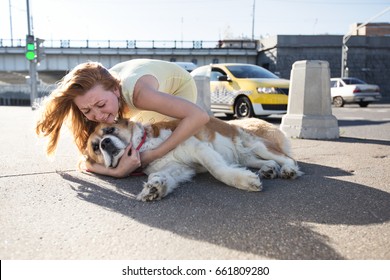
x=309, y=112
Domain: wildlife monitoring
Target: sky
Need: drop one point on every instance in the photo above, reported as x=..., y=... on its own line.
x=185, y=20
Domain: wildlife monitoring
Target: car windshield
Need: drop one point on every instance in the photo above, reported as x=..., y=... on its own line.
x=250, y=71
x=353, y=81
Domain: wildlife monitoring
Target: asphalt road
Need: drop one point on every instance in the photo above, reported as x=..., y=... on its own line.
x=340, y=208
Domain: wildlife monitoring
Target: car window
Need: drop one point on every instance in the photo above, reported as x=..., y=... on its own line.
x=333, y=83
x=353, y=81
x=250, y=71
x=216, y=73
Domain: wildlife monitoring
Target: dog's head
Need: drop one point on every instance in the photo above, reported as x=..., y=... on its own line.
x=108, y=142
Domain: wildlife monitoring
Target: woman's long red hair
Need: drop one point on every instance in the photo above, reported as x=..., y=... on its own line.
x=59, y=107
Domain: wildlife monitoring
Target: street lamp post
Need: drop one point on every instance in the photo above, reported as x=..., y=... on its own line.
x=346, y=37
x=253, y=19
x=10, y=22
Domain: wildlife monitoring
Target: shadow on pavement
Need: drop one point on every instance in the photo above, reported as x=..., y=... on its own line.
x=342, y=123
x=274, y=223
x=344, y=139
x=362, y=140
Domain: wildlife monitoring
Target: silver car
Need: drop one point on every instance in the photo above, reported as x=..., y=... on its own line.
x=353, y=90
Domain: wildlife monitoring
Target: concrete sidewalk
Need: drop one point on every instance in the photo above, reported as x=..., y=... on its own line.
x=340, y=208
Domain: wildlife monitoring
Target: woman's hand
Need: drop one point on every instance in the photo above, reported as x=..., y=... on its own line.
x=129, y=162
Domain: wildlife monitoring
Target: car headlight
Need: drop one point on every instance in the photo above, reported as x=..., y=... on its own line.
x=267, y=90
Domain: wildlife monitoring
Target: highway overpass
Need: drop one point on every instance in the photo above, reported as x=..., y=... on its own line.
x=62, y=55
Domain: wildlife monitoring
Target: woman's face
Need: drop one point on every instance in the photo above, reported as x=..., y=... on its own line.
x=98, y=104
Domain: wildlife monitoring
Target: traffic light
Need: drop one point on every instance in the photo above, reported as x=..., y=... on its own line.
x=30, y=47
x=40, y=49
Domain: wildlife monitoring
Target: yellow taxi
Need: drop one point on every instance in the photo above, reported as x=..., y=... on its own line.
x=245, y=90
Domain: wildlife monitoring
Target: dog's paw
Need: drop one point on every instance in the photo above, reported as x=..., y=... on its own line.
x=255, y=184
x=154, y=189
x=270, y=170
x=249, y=182
x=290, y=172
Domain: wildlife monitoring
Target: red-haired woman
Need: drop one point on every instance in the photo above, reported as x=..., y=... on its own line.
x=146, y=90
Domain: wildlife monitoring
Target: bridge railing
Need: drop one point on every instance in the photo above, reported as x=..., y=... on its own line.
x=133, y=44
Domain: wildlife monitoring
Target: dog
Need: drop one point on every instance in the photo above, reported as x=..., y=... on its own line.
x=224, y=149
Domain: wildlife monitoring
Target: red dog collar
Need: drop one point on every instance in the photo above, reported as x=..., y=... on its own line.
x=138, y=172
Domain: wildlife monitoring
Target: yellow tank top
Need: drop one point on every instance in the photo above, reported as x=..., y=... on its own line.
x=172, y=79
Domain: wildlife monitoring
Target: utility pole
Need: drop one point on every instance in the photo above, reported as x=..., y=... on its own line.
x=253, y=20
x=346, y=37
x=33, y=62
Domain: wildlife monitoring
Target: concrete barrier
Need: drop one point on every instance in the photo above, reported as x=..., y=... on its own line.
x=309, y=111
x=203, y=87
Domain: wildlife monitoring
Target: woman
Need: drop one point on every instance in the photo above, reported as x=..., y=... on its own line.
x=144, y=89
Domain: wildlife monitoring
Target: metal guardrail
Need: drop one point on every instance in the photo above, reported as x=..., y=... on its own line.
x=134, y=44
x=19, y=94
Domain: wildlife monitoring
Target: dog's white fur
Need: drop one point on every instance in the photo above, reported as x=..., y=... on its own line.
x=223, y=149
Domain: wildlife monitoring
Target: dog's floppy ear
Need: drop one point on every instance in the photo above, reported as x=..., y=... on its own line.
x=129, y=124
x=123, y=122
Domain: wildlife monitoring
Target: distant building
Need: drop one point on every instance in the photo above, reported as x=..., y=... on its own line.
x=371, y=29
x=368, y=56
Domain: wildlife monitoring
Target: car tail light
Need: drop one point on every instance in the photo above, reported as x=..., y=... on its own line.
x=356, y=90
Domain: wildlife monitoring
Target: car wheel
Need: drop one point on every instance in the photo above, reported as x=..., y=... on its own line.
x=243, y=108
x=363, y=104
x=338, y=101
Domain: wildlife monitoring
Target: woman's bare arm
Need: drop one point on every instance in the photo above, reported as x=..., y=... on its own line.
x=147, y=97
